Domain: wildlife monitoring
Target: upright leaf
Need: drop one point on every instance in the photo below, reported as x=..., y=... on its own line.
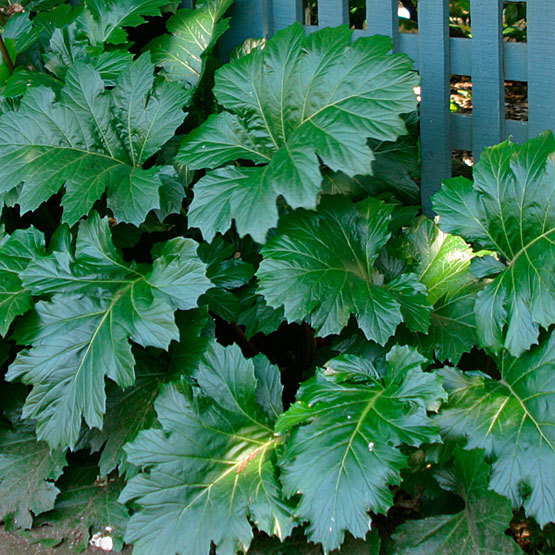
x=320, y=268
x=479, y=529
x=82, y=334
x=509, y=209
x=91, y=141
x=299, y=101
x=511, y=419
x=104, y=21
x=442, y=264
x=192, y=33
x=344, y=451
x=212, y=468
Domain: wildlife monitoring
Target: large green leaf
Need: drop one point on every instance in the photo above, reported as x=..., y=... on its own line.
x=131, y=410
x=210, y=469
x=104, y=21
x=82, y=334
x=28, y=470
x=509, y=209
x=16, y=251
x=512, y=419
x=75, y=141
x=344, y=450
x=192, y=33
x=320, y=268
x=299, y=101
x=476, y=530
x=393, y=169
x=442, y=264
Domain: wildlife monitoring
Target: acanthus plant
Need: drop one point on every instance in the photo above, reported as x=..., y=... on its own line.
x=243, y=328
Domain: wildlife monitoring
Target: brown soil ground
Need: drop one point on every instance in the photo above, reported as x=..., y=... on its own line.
x=14, y=543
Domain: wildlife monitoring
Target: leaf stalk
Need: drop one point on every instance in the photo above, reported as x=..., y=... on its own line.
x=6, y=55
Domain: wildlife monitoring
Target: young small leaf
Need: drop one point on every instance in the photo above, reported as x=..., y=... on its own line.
x=509, y=209
x=442, y=263
x=192, y=32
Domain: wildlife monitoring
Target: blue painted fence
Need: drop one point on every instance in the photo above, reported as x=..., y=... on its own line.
x=485, y=57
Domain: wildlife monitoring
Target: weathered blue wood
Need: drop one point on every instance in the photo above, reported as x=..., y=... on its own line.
x=333, y=12
x=514, y=56
x=488, y=82
x=286, y=12
x=517, y=130
x=382, y=19
x=186, y=4
x=249, y=19
x=516, y=61
x=435, y=132
x=541, y=65
x=461, y=131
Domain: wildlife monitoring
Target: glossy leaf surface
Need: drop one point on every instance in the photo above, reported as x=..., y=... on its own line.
x=344, y=448
x=297, y=101
x=82, y=334
x=75, y=142
x=211, y=466
x=320, y=268
x=192, y=32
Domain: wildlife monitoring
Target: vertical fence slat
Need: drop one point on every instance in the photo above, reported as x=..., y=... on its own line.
x=541, y=65
x=488, y=82
x=435, y=120
x=382, y=19
x=286, y=12
x=332, y=12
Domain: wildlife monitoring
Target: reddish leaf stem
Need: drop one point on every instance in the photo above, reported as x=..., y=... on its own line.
x=5, y=54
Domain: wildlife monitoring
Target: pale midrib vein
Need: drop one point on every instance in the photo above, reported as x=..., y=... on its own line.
x=528, y=413
x=237, y=464
x=348, y=448
x=72, y=148
x=117, y=297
